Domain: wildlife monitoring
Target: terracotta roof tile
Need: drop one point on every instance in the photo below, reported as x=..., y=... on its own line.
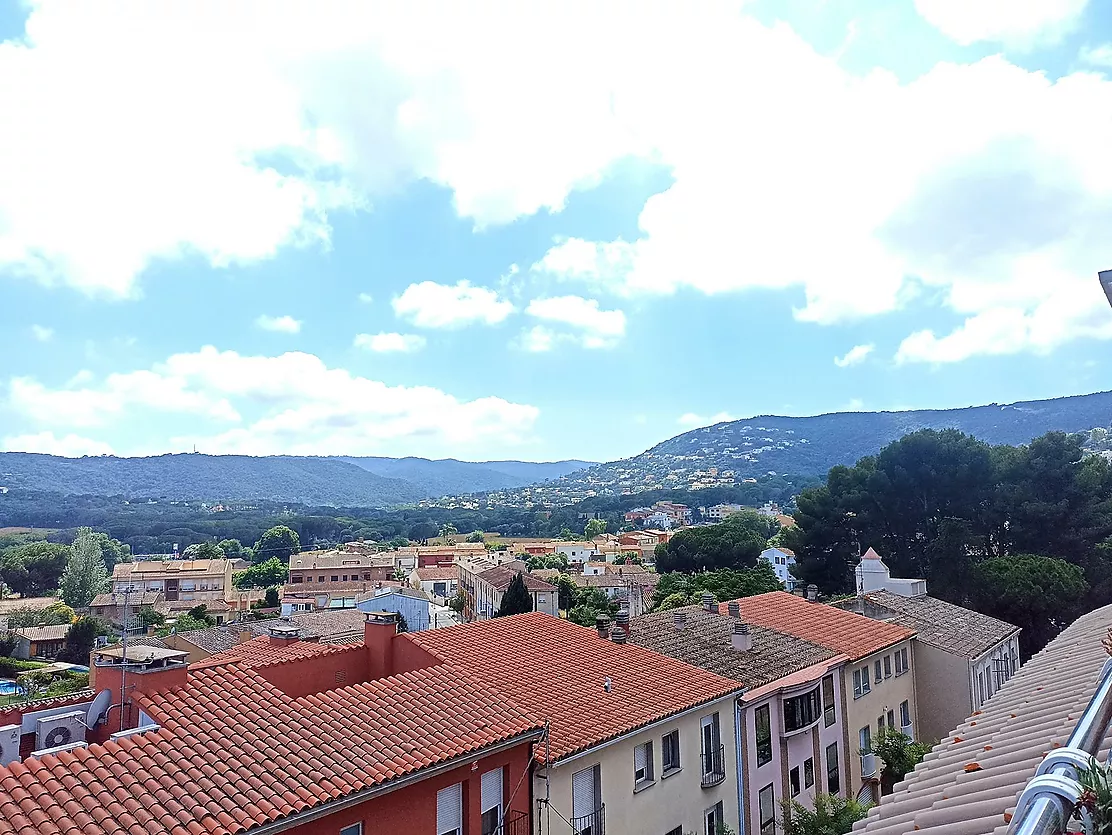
x=1033, y=712
x=847, y=633
x=263, y=650
x=500, y=576
x=42, y=633
x=559, y=672
x=435, y=573
x=944, y=625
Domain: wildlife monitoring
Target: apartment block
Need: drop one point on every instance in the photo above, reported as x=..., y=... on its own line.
x=187, y=581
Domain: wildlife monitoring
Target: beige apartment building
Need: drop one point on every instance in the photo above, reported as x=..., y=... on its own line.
x=176, y=580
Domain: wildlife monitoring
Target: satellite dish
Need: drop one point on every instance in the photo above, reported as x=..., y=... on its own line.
x=98, y=708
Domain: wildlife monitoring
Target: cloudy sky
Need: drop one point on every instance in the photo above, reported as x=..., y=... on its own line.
x=531, y=230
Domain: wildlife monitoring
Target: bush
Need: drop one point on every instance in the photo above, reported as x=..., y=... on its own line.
x=832, y=815
x=11, y=667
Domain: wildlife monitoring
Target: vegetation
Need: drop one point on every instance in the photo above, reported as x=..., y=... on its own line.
x=204, y=551
x=734, y=543
x=516, y=600
x=987, y=527
x=12, y=667
x=832, y=815
x=53, y=615
x=541, y=561
x=675, y=589
x=200, y=613
x=80, y=639
x=593, y=528
x=588, y=603
x=280, y=543
x=35, y=568
x=457, y=603
x=86, y=575
x=1096, y=796
x=899, y=753
x=273, y=572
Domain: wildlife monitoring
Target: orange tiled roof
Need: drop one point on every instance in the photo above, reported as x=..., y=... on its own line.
x=435, y=572
x=260, y=651
x=844, y=632
x=558, y=672
x=233, y=752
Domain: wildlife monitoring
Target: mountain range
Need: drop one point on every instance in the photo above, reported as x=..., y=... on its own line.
x=335, y=481
x=766, y=444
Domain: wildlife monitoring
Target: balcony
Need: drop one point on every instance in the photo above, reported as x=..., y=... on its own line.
x=714, y=767
x=868, y=766
x=516, y=823
x=592, y=824
x=906, y=730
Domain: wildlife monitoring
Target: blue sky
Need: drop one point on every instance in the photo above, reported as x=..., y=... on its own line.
x=566, y=231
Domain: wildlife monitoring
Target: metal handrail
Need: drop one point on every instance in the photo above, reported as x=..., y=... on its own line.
x=1045, y=806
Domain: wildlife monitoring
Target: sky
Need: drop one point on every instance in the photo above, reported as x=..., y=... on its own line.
x=540, y=230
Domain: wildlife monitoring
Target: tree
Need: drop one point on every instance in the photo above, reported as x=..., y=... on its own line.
x=1040, y=594
x=566, y=591
x=273, y=572
x=675, y=589
x=899, y=753
x=422, y=531
x=457, y=602
x=112, y=550
x=204, y=551
x=540, y=561
x=34, y=569
x=200, y=613
x=272, y=601
x=589, y=604
x=280, y=542
x=403, y=624
x=567, y=534
x=86, y=575
x=593, y=528
x=734, y=543
x=149, y=617
x=832, y=815
x=185, y=623
x=80, y=639
x=447, y=530
x=232, y=549
x=53, y=615
x=516, y=600
x=398, y=542
x=475, y=536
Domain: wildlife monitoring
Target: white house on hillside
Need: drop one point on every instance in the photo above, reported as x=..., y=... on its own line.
x=781, y=560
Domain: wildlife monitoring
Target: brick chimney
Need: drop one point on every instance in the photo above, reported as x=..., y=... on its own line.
x=282, y=634
x=379, y=631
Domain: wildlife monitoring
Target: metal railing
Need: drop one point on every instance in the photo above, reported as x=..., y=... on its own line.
x=1047, y=803
x=714, y=766
x=516, y=823
x=592, y=824
x=868, y=766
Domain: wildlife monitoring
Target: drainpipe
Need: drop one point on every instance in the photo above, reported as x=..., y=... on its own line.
x=739, y=755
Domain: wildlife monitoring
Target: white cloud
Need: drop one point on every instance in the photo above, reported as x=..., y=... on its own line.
x=1020, y=23
x=384, y=343
x=538, y=339
x=693, y=421
x=432, y=305
x=42, y=333
x=854, y=355
x=366, y=298
x=1097, y=56
x=279, y=324
x=592, y=327
x=70, y=446
x=295, y=404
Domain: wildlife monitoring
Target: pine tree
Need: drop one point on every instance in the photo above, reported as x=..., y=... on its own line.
x=86, y=575
x=517, y=599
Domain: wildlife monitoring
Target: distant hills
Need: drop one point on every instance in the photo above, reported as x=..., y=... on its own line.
x=812, y=445
x=335, y=481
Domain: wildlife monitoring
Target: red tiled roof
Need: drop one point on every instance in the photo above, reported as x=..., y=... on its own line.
x=233, y=752
x=844, y=632
x=435, y=572
x=500, y=576
x=260, y=651
x=558, y=672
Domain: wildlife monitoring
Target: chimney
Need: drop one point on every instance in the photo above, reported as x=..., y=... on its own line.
x=618, y=636
x=708, y=601
x=741, y=639
x=812, y=592
x=283, y=633
x=734, y=608
x=379, y=631
x=245, y=634
x=679, y=619
x=621, y=620
x=602, y=624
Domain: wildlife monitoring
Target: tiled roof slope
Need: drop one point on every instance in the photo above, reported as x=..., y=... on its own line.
x=500, y=576
x=846, y=633
x=263, y=650
x=234, y=752
x=705, y=641
x=557, y=671
x=1033, y=712
x=435, y=573
x=946, y=626
x=43, y=633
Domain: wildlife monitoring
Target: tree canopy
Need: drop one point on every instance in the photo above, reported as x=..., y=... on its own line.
x=675, y=589
x=204, y=551
x=594, y=527
x=34, y=569
x=86, y=575
x=516, y=600
x=734, y=543
x=280, y=542
x=273, y=572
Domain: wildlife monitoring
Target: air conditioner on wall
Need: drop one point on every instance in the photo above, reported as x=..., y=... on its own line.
x=60, y=729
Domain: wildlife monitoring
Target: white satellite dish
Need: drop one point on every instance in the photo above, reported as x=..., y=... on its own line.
x=98, y=708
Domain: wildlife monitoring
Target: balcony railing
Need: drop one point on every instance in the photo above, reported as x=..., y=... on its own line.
x=714, y=766
x=592, y=824
x=516, y=823
x=868, y=765
x=906, y=730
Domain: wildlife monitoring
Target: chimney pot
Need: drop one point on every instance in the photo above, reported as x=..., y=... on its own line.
x=679, y=619
x=734, y=608
x=622, y=618
x=708, y=601
x=602, y=624
x=812, y=592
x=618, y=636
x=741, y=638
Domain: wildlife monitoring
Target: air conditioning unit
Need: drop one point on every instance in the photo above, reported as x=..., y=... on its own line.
x=9, y=743
x=60, y=729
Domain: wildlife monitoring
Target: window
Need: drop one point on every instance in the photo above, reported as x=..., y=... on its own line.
x=865, y=738
x=449, y=810
x=1007, y=667
x=345, y=578
x=712, y=744
x=642, y=765
x=801, y=711
x=880, y=724
x=586, y=791
x=833, y=785
x=857, y=692
x=866, y=687
x=808, y=772
x=901, y=662
x=714, y=819
x=335, y=578
x=828, y=712
x=353, y=829
x=888, y=666
x=762, y=718
x=670, y=752
x=981, y=685
x=766, y=804
x=320, y=579
x=891, y=719
x=876, y=668
x=296, y=578
x=793, y=781
x=905, y=714
x=491, y=796
x=677, y=831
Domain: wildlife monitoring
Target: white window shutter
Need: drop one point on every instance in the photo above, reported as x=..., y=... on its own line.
x=639, y=757
x=449, y=811
x=583, y=793
x=492, y=790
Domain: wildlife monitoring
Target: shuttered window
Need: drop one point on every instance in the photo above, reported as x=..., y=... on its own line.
x=492, y=801
x=584, y=800
x=449, y=810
